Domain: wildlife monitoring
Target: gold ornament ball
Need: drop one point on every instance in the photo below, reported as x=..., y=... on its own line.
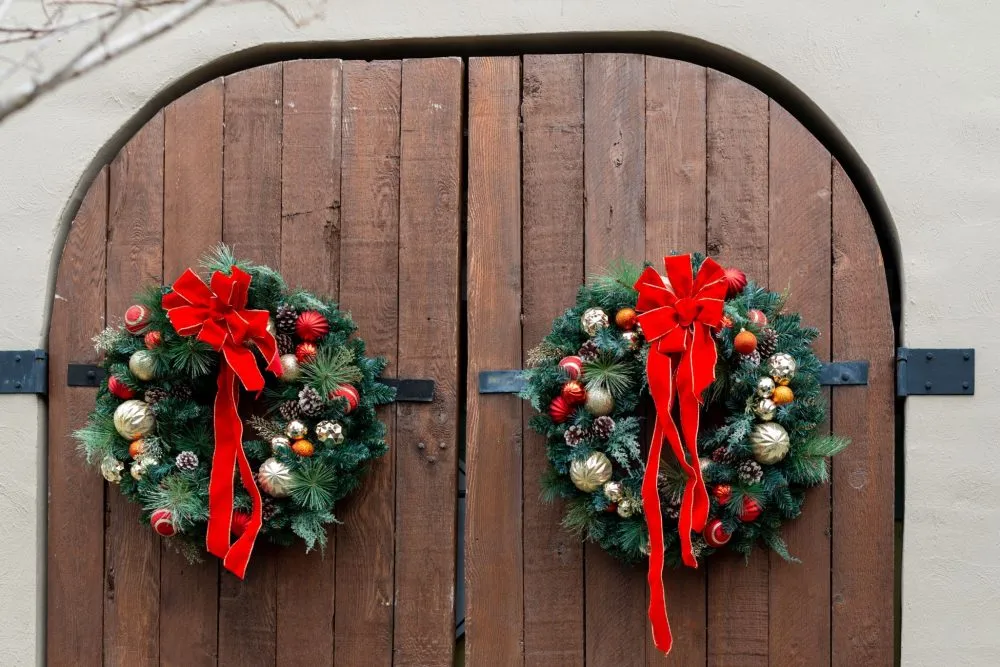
x=781, y=367
x=765, y=409
x=278, y=443
x=600, y=402
x=289, y=368
x=141, y=467
x=769, y=442
x=112, y=469
x=765, y=387
x=133, y=419
x=296, y=430
x=332, y=432
x=590, y=474
x=593, y=320
x=274, y=478
x=613, y=491
x=629, y=507
x=142, y=365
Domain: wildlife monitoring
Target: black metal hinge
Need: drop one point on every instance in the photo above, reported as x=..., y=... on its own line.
x=24, y=372
x=935, y=371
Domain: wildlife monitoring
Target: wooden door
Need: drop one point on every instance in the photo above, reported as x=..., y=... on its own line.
x=575, y=160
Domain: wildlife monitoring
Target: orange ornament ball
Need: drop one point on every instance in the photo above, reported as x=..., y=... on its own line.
x=136, y=448
x=305, y=352
x=303, y=448
x=574, y=392
x=782, y=395
x=745, y=342
x=625, y=319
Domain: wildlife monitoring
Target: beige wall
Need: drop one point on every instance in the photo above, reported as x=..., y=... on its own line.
x=914, y=87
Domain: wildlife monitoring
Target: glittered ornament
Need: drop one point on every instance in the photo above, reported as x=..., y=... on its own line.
x=574, y=392
x=745, y=342
x=757, y=317
x=765, y=387
x=613, y=491
x=303, y=448
x=573, y=366
x=559, y=410
x=240, y=523
x=350, y=394
x=781, y=367
x=133, y=419
x=111, y=469
x=331, y=432
x=296, y=430
x=715, y=535
x=186, y=461
x=783, y=395
x=162, y=521
x=289, y=368
x=305, y=352
x=723, y=493
x=136, y=318
x=590, y=474
x=600, y=401
x=142, y=365
x=769, y=442
x=736, y=280
x=625, y=318
x=119, y=389
x=279, y=442
x=137, y=448
x=629, y=507
x=274, y=478
x=311, y=326
x=593, y=320
x=750, y=511
x=765, y=409
x=152, y=339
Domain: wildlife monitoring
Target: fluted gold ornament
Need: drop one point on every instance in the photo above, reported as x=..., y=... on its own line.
x=112, y=469
x=781, y=367
x=296, y=430
x=332, y=432
x=764, y=409
x=765, y=387
x=590, y=474
x=600, y=402
x=593, y=320
x=141, y=365
x=274, y=478
x=133, y=419
x=289, y=368
x=769, y=442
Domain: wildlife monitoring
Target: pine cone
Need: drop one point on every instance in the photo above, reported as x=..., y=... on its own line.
x=750, y=472
x=767, y=342
x=284, y=319
x=269, y=509
x=752, y=360
x=154, y=395
x=589, y=351
x=574, y=436
x=286, y=344
x=289, y=410
x=310, y=402
x=603, y=426
x=181, y=391
x=187, y=461
x=722, y=455
x=672, y=509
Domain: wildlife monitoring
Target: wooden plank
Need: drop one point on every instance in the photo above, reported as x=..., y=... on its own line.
x=426, y=446
x=675, y=222
x=493, y=555
x=134, y=259
x=252, y=225
x=369, y=289
x=310, y=258
x=614, y=167
x=192, y=224
x=737, y=211
x=552, y=111
x=75, y=543
x=862, y=567
x=799, y=259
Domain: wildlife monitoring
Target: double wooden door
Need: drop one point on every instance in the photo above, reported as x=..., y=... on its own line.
x=454, y=207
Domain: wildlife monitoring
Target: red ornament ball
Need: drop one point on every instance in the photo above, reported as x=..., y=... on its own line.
x=119, y=388
x=723, y=493
x=573, y=366
x=751, y=510
x=152, y=339
x=311, y=326
x=736, y=280
x=305, y=352
x=240, y=523
x=560, y=409
x=715, y=535
x=745, y=342
x=574, y=392
x=136, y=318
x=757, y=317
x=162, y=522
x=348, y=393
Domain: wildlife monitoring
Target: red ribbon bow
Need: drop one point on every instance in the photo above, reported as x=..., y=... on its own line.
x=677, y=317
x=218, y=317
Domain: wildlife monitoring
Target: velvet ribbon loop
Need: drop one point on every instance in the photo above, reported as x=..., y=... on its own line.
x=217, y=316
x=677, y=314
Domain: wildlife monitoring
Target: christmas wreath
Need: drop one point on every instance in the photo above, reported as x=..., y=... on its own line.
x=168, y=423
x=705, y=345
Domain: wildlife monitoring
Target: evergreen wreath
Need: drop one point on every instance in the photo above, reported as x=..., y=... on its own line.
x=760, y=445
x=151, y=430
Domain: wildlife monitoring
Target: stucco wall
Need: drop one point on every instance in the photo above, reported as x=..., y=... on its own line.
x=914, y=87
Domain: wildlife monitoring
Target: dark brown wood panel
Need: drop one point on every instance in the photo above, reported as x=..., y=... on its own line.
x=75, y=543
x=799, y=260
x=493, y=553
x=369, y=272
x=862, y=562
x=426, y=445
x=192, y=223
x=552, y=171
x=737, y=210
x=251, y=225
x=134, y=258
x=310, y=259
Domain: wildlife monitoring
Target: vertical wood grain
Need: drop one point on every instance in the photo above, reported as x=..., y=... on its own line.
x=75, y=544
x=552, y=255
x=192, y=224
x=614, y=167
x=737, y=210
x=675, y=222
x=134, y=259
x=310, y=259
x=252, y=226
x=862, y=488
x=427, y=439
x=369, y=276
x=494, y=559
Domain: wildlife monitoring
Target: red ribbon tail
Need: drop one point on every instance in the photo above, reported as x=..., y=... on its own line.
x=659, y=622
